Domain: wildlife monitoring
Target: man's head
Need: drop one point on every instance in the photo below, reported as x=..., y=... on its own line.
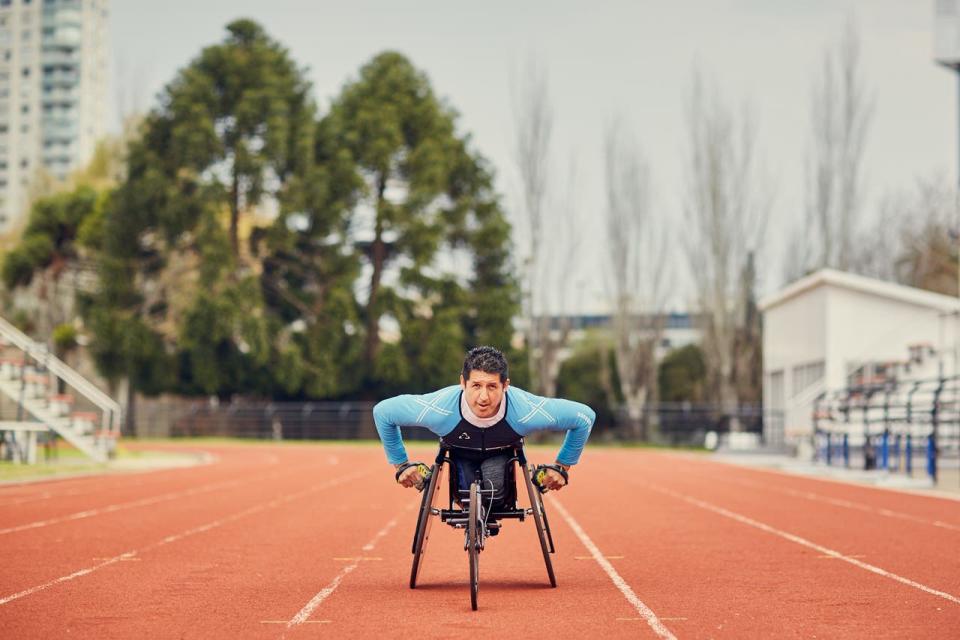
x=484, y=380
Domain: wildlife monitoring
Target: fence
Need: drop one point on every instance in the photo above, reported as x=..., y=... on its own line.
x=896, y=426
x=687, y=424
x=265, y=420
x=675, y=424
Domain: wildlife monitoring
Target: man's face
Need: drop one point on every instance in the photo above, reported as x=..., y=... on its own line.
x=483, y=391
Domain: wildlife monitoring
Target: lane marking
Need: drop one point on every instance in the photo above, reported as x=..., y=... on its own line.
x=834, y=557
x=304, y=613
x=358, y=559
x=839, y=502
x=113, y=508
x=128, y=555
x=591, y=557
x=143, y=502
x=285, y=622
x=646, y=613
x=804, y=542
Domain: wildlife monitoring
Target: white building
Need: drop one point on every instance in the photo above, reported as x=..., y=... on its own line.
x=53, y=90
x=832, y=329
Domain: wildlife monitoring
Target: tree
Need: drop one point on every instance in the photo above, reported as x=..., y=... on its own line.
x=551, y=223
x=841, y=111
x=589, y=376
x=636, y=245
x=424, y=193
x=233, y=134
x=726, y=212
x=681, y=375
x=48, y=256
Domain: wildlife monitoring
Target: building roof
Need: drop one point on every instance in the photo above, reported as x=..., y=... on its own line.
x=853, y=282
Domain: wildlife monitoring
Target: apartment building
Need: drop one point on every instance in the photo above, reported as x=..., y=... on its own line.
x=54, y=66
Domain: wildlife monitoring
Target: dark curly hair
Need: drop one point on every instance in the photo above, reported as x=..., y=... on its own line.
x=486, y=359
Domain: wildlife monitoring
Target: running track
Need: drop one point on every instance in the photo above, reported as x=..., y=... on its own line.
x=314, y=541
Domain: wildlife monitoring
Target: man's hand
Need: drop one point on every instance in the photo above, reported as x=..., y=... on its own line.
x=410, y=477
x=552, y=480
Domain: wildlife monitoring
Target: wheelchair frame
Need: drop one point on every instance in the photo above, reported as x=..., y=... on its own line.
x=472, y=516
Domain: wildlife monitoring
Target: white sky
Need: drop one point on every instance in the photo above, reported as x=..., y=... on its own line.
x=618, y=58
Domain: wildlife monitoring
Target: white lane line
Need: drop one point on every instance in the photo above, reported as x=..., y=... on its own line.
x=838, y=502
x=804, y=542
x=302, y=616
x=113, y=508
x=645, y=612
x=308, y=609
x=128, y=555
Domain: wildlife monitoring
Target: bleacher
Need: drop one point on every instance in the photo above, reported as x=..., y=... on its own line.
x=47, y=399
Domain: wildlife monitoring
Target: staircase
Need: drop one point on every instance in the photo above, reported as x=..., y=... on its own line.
x=30, y=376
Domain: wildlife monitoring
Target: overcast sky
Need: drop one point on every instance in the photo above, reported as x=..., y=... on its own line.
x=631, y=59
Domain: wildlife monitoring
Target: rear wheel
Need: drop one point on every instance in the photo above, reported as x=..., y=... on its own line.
x=424, y=520
x=473, y=544
x=539, y=518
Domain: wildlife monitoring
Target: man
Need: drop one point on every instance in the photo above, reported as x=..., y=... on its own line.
x=480, y=420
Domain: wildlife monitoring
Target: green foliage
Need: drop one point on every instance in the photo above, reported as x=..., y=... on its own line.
x=234, y=128
x=49, y=238
x=197, y=294
x=429, y=193
x=64, y=338
x=682, y=375
x=589, y=376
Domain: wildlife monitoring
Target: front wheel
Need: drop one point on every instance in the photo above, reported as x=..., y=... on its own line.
x=424, y=519
x=539, y=518
x=473, y=544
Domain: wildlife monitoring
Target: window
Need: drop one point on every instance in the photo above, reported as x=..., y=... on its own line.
x=806, y=375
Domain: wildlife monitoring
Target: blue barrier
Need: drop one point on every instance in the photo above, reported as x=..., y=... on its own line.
x=885, y=450
x=846, y=450
x=909, y=455
x=932, y=457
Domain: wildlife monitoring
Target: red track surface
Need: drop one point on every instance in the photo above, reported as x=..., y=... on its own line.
x=320, y=536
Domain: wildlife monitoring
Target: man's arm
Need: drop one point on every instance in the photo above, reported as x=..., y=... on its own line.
x=433, y=411
x=535, y=413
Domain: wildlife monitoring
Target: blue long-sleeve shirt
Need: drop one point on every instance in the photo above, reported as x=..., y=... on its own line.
x=440, y=413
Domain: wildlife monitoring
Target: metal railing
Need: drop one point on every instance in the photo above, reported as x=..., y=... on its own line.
x=889, y=426
x=111, y=413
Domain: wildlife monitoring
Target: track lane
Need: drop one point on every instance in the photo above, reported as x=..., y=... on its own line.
x=210, y=583
x=906, y=547
x=515, y=595
x=702, y=574
x=730, y=577
x=38, y=556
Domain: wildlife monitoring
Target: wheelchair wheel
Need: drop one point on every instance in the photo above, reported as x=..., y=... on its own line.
x=473, y=544
x=546, y=523
x=422, y=533
x=539, y=518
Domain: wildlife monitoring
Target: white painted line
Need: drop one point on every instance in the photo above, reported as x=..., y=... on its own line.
x=303, y=615
x=648, y=615
x=838, y=502
x=804, y=542
x=128, y=555
x=113, y=508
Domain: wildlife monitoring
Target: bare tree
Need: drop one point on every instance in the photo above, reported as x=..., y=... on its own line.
x=841, y=112
x=636, y=245
x=551, y=226
x=726, y=210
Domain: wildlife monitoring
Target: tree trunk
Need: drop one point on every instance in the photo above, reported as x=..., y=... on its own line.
x=235, y=216
x=378, y=257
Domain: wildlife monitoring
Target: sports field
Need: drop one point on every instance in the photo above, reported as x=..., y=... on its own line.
x=303, y=541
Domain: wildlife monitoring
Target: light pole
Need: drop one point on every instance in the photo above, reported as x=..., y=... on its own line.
x=947, y=52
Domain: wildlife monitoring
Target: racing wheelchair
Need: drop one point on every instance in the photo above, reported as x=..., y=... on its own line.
x=470, y=510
